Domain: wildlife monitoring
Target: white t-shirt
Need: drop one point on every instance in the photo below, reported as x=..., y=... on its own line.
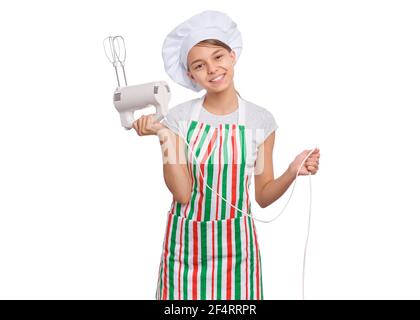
x=257, y=119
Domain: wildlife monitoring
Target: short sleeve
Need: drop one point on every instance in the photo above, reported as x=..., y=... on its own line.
x=268, y=125
x=176, y=119
x=171, y=122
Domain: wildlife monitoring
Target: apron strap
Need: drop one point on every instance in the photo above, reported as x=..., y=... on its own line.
x=198, y=104
x=241, y=113
x=195, y=112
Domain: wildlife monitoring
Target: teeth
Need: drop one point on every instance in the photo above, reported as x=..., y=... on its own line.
x=218, y=78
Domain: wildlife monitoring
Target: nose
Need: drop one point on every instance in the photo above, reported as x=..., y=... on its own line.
x=212, y=68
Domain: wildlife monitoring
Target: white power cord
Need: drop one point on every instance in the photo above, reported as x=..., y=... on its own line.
x=275, y=217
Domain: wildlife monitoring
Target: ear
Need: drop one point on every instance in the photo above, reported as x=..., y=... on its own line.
x=233, y=56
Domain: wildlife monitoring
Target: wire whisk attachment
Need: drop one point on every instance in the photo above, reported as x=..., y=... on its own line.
x=114, y=47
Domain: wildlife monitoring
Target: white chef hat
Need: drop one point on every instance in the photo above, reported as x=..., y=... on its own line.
x=208, y=24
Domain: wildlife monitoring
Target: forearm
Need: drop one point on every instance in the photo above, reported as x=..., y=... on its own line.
x=274, y=189
x=175, y=170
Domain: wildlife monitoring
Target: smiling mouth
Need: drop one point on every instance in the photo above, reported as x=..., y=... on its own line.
x=218, y=79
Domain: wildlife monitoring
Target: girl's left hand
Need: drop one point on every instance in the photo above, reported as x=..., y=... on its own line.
x=311, y=164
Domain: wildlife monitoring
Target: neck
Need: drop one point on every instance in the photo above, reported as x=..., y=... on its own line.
x=221, y=103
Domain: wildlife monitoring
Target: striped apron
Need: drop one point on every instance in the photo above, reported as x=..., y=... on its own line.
x=210, y=250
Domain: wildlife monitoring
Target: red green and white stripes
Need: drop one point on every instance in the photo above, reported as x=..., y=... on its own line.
x=210, y=249
x=221, y=155
x=209, y=272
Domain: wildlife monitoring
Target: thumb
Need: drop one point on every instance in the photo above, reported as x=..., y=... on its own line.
x=305, y=152
x=154, y=117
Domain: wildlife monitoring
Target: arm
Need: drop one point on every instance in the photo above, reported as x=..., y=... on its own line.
x=268, y=189
x=175, y=169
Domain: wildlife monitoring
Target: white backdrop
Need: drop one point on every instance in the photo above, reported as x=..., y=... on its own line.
x=83, y=202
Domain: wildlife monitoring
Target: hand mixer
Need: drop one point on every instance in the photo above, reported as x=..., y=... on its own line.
x=131, y=98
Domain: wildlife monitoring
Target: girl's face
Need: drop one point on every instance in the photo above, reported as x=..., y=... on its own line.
x=209, y=62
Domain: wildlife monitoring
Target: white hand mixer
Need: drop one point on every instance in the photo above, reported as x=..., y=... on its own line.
x=131, y=98
x=128, y=99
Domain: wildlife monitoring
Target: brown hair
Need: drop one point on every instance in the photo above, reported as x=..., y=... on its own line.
x=217, y=43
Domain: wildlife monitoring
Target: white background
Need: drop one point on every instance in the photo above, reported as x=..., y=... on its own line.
x=83, y=202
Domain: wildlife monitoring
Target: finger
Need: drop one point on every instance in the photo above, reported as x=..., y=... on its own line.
x=313, y=160
x=141, y=125
x=303, y=171
x=311, y=168
x=153, y=124
x=138, y=127
x=147, y=123
x=314, y=156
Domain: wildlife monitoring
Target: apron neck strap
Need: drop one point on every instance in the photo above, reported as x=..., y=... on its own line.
x=198, y=104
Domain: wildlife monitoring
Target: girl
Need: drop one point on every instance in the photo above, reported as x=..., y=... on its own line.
x=210, y=247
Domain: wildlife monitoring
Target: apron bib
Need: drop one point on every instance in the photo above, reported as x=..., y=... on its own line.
x=210, y=250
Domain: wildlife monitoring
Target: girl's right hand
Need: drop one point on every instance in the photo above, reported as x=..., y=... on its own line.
x=145, y=125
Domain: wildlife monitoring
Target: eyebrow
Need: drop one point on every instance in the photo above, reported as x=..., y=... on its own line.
x=211, y=54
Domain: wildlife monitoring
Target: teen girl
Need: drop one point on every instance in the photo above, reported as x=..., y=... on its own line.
x=210, y=249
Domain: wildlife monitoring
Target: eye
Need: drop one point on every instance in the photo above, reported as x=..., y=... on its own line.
x=198, y=66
